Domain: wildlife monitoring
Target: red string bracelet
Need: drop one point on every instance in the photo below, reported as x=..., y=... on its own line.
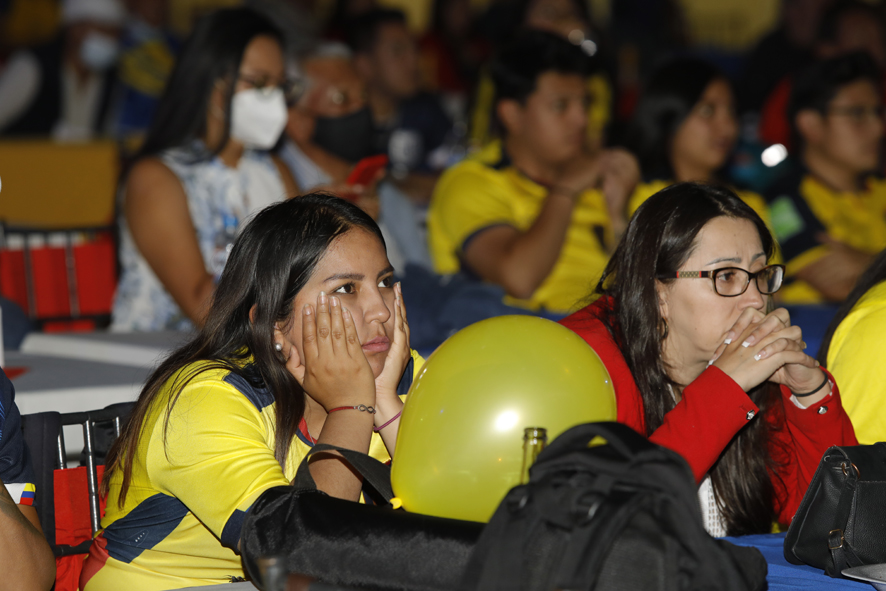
x=391, y=420
x=360, y=407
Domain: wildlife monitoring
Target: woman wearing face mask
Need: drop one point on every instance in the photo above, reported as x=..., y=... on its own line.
x=684, y=129
x=203, y=169
x=306, y=341
x=702, y=365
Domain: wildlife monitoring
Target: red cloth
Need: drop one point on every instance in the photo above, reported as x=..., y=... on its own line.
x=774, y=126
x=714, y=408
x=72, y=521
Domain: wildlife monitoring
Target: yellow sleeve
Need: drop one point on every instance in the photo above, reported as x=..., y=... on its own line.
x=217, y=457
x=465, y=200
x=855, y=358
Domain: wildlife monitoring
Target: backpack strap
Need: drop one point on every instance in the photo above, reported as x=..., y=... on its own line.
x=374, y=472
x=842, y=553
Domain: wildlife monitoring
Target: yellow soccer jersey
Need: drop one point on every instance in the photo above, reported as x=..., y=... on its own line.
x=802, y=208
x=193, y=480
x=855, y=357
x=485, y=191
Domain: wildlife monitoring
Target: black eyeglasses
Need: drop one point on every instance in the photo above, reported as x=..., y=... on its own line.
x=858, y=113
x=292, y=89
x=730, y=282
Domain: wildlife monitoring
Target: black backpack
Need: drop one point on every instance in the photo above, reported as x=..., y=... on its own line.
x=621, y=516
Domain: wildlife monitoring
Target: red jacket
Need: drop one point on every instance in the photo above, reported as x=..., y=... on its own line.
x=714, y=408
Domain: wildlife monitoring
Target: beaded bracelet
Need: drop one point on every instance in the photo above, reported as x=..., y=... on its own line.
x=391, y=420
x=817, y=388
x=360, y=407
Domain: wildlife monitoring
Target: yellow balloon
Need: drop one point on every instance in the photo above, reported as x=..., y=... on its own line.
x=460, y=444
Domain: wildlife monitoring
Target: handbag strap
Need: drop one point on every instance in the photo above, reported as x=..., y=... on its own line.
x=842, y=554
x=374, y=472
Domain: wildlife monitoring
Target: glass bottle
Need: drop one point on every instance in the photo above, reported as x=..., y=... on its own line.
x=534, y=440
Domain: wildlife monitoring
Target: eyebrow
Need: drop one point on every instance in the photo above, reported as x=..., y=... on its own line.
x=357, y=276
x=735, y=260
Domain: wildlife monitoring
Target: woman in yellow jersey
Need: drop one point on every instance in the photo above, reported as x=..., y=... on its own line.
x=305, y=341
x=854, y=349
x=684, y=129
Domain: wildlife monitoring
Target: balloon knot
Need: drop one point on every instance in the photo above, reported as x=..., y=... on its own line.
x=396, y=502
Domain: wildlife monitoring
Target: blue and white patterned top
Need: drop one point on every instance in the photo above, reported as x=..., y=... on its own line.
x=214, y=191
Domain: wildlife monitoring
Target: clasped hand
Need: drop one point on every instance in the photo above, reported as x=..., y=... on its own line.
x=761, y=347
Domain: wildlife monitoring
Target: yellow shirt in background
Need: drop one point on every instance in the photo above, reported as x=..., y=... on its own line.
x=646, y=190
x=800, y=214
x=856, y=358
x=486, y=190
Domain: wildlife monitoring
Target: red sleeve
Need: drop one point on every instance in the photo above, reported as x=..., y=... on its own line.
x=711, y=412
x=713, y=409
x=798, y=445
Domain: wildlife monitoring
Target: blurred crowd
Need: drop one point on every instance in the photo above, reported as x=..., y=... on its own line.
x=520, y=135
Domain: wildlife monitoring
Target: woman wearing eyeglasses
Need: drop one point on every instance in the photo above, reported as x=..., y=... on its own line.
x=203, y=169
x=702, y=365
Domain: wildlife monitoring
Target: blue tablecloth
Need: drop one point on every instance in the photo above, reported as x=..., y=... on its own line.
x=784, y=575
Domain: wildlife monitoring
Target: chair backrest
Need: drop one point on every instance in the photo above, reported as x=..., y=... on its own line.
x=44, y=436
x=62, y=279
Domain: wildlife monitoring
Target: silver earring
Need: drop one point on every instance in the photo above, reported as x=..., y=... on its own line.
x=279, y=347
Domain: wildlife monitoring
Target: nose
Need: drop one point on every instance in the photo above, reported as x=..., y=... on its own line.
x=752, y=298
x=376, y=308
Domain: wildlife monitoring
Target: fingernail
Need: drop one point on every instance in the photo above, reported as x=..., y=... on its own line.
x=803, y=344
x=760, y=355
x=322, y=297
x=333, y=301
x=749, y=342
x=307, y=309
x=710, y=363
x=728, y=341
x=345, y=313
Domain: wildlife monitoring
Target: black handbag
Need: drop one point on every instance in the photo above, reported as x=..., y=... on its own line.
x=351, y=544
x=841, y=521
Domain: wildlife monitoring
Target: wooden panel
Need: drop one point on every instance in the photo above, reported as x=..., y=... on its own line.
x=52, y=185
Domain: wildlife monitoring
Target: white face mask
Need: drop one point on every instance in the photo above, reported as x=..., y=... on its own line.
x=98, y=52
x=258, y=117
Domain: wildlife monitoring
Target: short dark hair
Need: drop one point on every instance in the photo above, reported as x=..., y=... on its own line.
x=671, y=93
x=515, y=71
x=362, y=31
x=816, y=86
x=830, y=19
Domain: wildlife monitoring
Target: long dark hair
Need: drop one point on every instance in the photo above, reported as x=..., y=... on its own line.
x=211, y=54
x=873, y=275
x=272, y=259
x=659, y=239
x=668, y=98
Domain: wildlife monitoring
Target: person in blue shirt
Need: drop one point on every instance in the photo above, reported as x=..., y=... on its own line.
x=26, y=560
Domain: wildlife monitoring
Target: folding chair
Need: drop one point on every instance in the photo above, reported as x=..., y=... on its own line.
x=64, y=279
x=68, y=502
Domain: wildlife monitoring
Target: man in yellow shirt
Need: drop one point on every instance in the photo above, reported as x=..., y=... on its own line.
x=829, y=214
x=534, y=213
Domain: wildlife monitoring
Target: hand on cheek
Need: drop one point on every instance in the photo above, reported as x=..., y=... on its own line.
x=335, y=370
